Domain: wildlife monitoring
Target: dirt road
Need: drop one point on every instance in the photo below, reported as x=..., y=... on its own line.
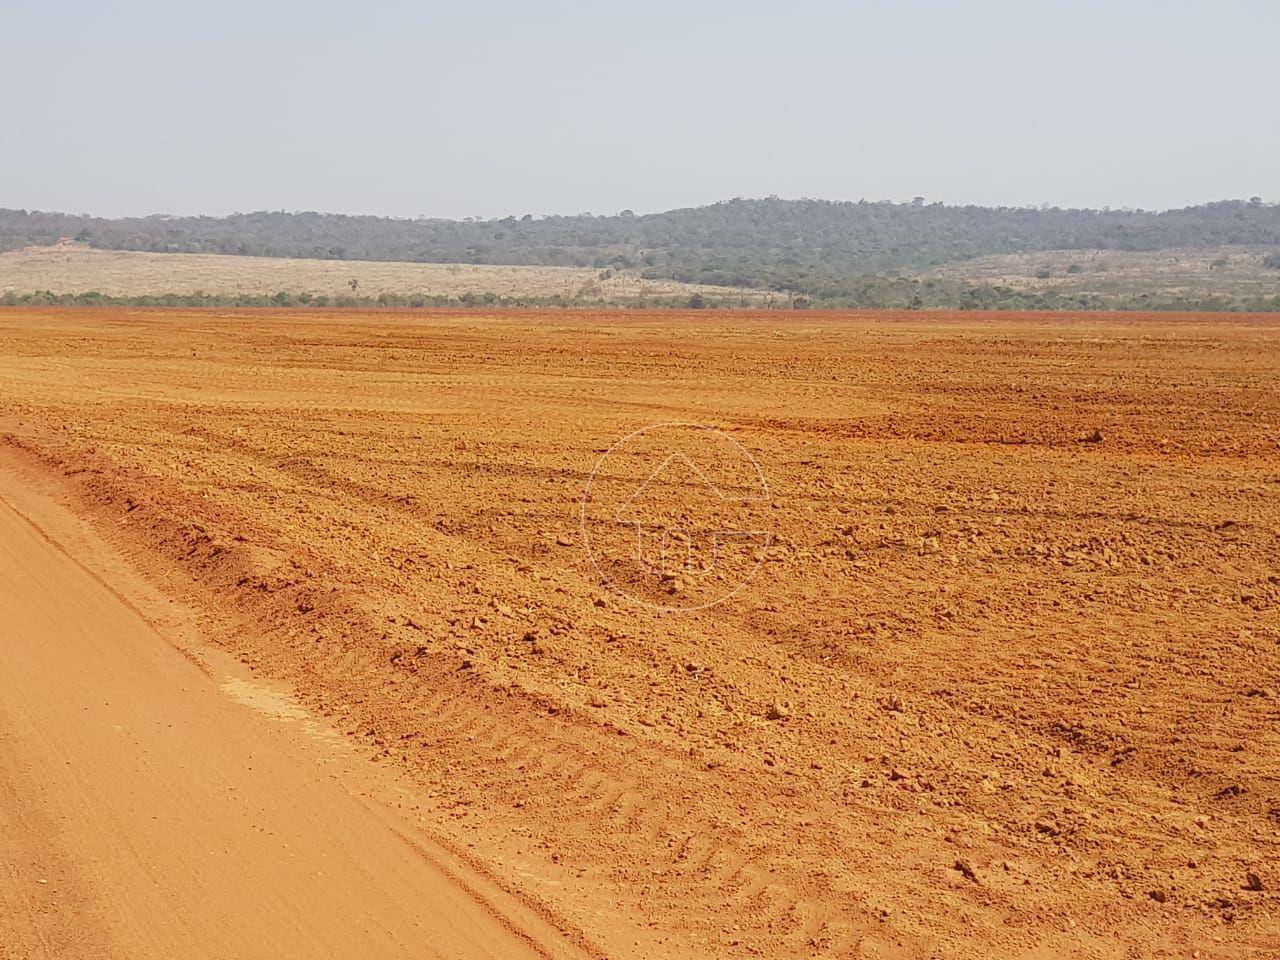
x=144, y=812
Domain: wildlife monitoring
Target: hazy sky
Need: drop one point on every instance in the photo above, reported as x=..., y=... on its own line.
x=485, y=109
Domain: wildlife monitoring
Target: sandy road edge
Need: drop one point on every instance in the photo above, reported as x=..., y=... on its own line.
x=47, y=504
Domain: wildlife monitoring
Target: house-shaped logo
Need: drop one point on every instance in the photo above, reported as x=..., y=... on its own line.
x=682, y=519
x=674, y=515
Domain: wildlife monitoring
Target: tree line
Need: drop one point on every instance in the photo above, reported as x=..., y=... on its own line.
x=815, y=249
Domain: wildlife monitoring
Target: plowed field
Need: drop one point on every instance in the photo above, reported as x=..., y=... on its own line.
x=896, y=636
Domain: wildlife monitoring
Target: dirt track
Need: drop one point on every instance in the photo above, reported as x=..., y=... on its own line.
x=1005, y=684
x=148, y=813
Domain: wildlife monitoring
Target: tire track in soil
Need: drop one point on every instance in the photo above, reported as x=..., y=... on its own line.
x=754, y=895
x=619, y=817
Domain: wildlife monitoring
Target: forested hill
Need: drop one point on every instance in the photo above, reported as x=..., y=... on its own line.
x=811, y=246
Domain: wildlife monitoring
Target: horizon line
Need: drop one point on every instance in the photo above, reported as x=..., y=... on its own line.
x=921, y=202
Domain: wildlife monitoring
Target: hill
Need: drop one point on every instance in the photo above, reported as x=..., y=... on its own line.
x=822, y=250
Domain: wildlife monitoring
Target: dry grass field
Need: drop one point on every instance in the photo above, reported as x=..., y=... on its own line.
x=75, y=269
x=1179, y=272
x=1004, y=683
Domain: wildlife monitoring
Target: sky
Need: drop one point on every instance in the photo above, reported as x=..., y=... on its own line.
x=487, y=109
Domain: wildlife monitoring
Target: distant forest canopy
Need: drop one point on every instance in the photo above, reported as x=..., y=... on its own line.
x=821, y=249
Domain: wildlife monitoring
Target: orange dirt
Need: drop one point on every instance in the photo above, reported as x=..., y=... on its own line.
x=1005, y=683
x=149, y=811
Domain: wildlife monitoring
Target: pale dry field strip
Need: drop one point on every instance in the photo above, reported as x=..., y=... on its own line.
x=1226, y=270
x=75, y=269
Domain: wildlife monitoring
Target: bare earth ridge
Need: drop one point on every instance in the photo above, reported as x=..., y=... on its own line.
x=158, y=802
